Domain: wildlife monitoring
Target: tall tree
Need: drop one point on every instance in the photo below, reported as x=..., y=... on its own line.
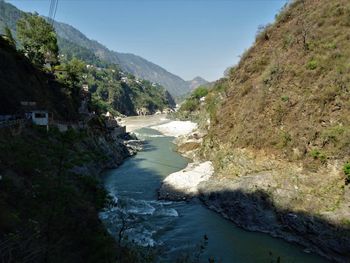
x=38, y=39
x=9, y=37
x=75, y=69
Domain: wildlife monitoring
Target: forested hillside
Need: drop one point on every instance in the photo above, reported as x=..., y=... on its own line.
x=20, y=81
x=130, y=63
x=127, y=96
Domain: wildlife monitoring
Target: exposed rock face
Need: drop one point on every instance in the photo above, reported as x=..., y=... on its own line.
x=116, y=150
x=260, y=192
x=189, y=145
x=184, y=184
x=255, y=211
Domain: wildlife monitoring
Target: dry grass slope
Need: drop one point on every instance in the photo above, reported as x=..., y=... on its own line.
x=282, y=126
x=290, y=93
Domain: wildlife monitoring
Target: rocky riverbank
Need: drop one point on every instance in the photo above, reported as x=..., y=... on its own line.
x=254, y=209
x=184, y=184
x=266, y=194
x=261, y=192
x=115, y=151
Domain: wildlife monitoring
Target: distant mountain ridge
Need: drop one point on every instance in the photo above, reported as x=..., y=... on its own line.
x=196, y=82
x=131, y=63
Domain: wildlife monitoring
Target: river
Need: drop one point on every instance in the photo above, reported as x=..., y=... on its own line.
x=179, y=227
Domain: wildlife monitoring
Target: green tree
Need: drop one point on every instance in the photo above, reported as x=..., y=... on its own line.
x=9, y=37
x=38, y=39
x=75, y=69
x=199, y=92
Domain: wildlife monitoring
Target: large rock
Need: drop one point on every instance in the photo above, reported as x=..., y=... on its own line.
x=260, y=192
x=184, y=184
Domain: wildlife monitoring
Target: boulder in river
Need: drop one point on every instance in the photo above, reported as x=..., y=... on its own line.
x=184, y=183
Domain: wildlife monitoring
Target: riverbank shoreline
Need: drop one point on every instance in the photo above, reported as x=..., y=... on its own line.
x=183, y=184
x=150, y=166
x=176, y=187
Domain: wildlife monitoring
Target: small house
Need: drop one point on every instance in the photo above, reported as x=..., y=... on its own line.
x=39, y=117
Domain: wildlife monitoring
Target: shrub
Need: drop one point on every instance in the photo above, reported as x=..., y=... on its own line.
x=288, y=41
x=189, y=105
x=333, y=134
x=200, y=92
x=331, y=45
x=346, y=170
x=285, y=139
x=312, y=65
x=317, y=155
x=285, y=98
x=262, y=33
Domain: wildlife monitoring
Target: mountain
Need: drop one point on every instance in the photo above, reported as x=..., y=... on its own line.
x=279, y=131
x=142, y=68
x=131, y=63
x=196, y=82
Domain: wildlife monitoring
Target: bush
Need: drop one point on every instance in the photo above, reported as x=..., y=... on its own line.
x=317, y=155
x=288, y=41
x=190, y=105
x=312, y=65
x=199, y=92
x=346, y=170
x=285, y=98
x=333, y=134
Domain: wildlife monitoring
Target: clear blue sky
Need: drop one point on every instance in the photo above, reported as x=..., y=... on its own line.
x=187, y=37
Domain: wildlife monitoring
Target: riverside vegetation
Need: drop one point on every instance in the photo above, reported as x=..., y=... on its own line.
x=50, y=193
x=278, y=130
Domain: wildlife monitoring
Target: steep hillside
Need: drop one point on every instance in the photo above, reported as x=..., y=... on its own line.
x=71, y=34
x=297, y=72
x=114, y=91
x=21, y=81
x=50, y=195
x=279, y=131
x=147, y=70
x=131, y=63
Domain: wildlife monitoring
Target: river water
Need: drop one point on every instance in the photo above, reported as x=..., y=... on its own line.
x=179, y=227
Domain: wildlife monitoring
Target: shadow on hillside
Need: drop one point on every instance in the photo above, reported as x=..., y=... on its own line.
x=21, y=81
x=256, y=212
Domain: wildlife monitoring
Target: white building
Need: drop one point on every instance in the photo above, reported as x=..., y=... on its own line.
x=38, y=117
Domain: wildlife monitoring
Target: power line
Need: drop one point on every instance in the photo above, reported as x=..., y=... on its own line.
x=50, y=10
x=55, y=10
